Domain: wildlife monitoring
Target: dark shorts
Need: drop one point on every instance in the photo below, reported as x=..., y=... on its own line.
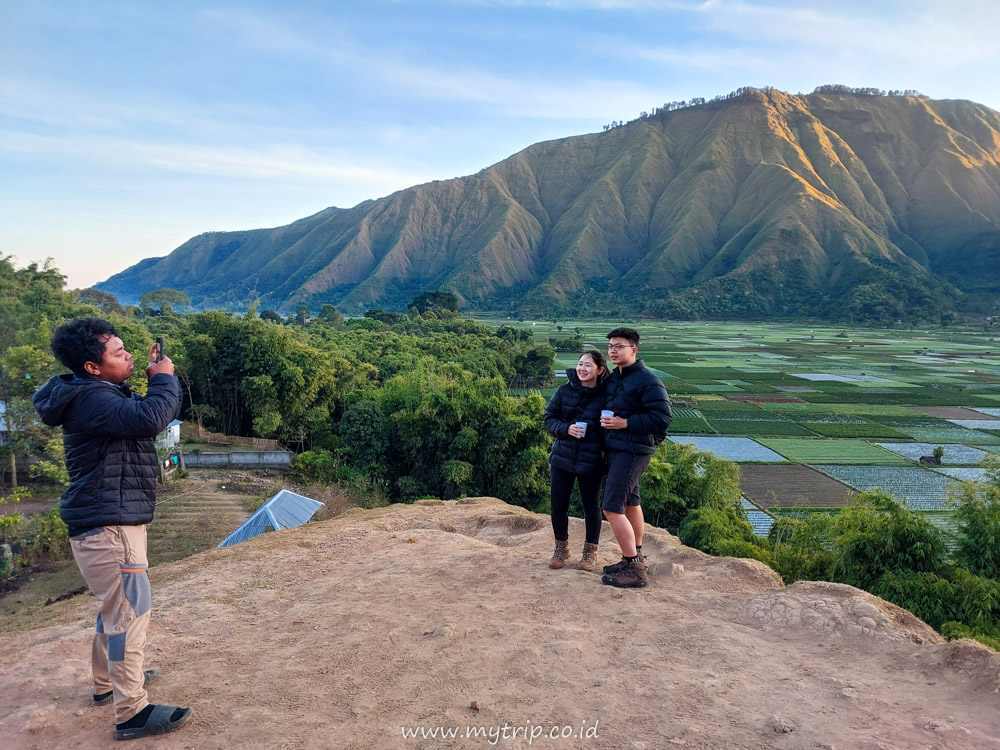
x=622, y=485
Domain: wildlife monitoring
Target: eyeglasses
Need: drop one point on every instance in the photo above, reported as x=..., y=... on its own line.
x=618, y=347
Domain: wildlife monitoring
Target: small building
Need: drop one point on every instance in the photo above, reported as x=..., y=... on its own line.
x=3, y=423
x=170, y=436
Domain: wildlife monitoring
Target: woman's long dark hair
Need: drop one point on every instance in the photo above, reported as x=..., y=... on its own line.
x=600, y=361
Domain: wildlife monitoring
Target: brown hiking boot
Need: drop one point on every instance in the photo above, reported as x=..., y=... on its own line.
x=616, y=568
x=561, y=555
x=630, y=575
x=589, y=559
x=612, y=569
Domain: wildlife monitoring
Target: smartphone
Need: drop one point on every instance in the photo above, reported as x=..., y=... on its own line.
x=159, y=348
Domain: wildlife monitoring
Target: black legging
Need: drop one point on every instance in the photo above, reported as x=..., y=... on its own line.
x=590, y=496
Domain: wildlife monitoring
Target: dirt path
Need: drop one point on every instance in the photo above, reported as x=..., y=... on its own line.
x=194, y=515
x=29, y=506
x=346, y=633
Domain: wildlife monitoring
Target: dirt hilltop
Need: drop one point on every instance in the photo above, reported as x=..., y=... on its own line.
x=443, y=616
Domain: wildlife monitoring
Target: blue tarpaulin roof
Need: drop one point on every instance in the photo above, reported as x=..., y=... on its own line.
x=285, y=510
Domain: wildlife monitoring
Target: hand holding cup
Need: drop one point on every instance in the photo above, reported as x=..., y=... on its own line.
x=610, y=422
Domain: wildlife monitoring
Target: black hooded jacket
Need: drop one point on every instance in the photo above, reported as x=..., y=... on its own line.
x=573, y=402
x=638, y=395
x=108, y=433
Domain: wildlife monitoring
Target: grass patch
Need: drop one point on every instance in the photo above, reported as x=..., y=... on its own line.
x=853, y=430
x=755, y=427
x=872, y=410
x=953, y=435
x=830, y=451
x=690, y=425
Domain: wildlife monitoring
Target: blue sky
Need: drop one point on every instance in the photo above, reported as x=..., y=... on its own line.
x=128, y=127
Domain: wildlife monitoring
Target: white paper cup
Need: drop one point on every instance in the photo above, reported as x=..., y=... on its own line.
x=582, y=426
x=607, y=413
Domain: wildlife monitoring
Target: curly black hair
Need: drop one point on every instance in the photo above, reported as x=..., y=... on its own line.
x=79, y=341
x=629, y=334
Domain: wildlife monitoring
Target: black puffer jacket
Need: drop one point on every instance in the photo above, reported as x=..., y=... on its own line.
x=108, y=434
x=571, y=403
x=638, y=395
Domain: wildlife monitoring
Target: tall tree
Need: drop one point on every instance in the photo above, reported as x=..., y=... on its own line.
x=162, y=301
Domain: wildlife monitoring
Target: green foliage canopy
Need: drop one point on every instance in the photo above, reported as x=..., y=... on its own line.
x=978, y=512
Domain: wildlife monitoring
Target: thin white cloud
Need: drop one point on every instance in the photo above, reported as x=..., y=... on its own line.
x=72, y=109
x=410, y=78
x=708, y=59
x=929, y=33
x=940, y=48
x=577, y=5
x=289, y=162
x=520, y=97
x=270, y=34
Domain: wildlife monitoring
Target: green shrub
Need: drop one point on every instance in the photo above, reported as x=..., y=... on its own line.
x=572, y=343
x=457, y=478
x=875, y=535
x=365, y=433
x=681, y=478
x=52, y=469
x=318, y=466
x=722, y=531
x=743, y=548
x=954, y=630
x=978, y=529
x=45, y=537
x=16, y=495
x=8, y=563
x=9, y=525
x=801, y=549
x=955, y=595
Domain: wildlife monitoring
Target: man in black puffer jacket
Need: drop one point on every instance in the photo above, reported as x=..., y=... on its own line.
x=108, y=434
x=635, y=422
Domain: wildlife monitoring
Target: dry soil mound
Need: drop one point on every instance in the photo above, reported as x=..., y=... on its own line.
x=444, y=616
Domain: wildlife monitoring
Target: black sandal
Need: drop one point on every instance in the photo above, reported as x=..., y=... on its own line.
x=162, y=719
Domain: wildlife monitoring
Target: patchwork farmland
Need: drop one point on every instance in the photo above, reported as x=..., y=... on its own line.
x=814, y=415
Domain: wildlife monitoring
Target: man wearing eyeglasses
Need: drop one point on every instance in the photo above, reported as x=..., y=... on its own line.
x=635, y=421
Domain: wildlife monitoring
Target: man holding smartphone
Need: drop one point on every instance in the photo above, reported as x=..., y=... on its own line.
x=108, y=433
x=637, y=414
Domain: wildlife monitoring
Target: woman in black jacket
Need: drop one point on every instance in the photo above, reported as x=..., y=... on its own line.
x=573, y=416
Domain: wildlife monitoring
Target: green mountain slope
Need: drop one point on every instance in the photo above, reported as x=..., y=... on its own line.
x=760, y=203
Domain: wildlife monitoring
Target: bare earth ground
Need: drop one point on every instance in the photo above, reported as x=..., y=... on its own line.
x=792, y=486
x=340, y=634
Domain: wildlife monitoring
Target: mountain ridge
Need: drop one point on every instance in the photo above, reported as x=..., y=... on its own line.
x=789, y=202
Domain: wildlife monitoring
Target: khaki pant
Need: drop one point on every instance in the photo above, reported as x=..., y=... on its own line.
x=113, y=562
